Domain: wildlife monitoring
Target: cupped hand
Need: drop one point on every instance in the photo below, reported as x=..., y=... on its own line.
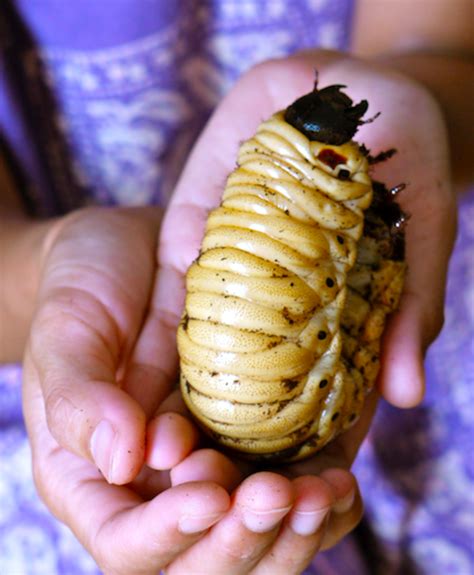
x=410, y=121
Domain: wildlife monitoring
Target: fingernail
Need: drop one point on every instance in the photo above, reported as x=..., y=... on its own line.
x=263, y=521
x=307, y=522
x=102, y=442
x=189, y=524
x=344, y=504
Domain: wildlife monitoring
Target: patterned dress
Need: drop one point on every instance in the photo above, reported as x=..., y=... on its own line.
x=101, y=109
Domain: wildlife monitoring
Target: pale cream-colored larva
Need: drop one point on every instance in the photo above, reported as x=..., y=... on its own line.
x=287, y=301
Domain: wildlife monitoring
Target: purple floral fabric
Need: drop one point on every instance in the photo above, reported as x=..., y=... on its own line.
x=124, y=99
x=132, y=86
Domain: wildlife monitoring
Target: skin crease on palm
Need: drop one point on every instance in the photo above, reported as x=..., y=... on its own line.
x=105, y=315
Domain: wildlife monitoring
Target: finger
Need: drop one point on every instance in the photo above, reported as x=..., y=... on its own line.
x=243, y=536
x=207, y=465
x=151, y=535
x=153, y=363
x=347, y=507
x=341, y=523
x=170, y=439
x=86, y=412
x=402, y=378
x=343, y=487
x=420, y=317
x=171, y=434
x=150, y=482
x=302, y=530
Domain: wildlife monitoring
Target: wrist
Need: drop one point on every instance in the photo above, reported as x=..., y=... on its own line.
x=21, y=247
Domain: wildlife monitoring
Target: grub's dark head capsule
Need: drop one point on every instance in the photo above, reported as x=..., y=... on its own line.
x=326, y=115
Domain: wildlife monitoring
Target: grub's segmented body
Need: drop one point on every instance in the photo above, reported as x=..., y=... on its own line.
x=287, y=300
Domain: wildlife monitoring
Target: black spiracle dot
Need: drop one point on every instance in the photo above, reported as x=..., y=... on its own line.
x=290, y=384
x=323, y=383
x=352, y=417
x=335, y=416
x=340, y=239
x=322, y=334
x=330, y=282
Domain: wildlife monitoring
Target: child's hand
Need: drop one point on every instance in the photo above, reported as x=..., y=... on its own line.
x=411, y=122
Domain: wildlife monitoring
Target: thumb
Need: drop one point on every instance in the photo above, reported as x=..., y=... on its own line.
x=421, y=314
x=71, y=360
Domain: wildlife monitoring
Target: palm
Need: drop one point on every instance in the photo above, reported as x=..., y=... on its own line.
x=420, y=162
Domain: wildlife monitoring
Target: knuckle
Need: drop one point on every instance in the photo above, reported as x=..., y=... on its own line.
x=58, y=315
x=295, y=562
x=58, y=406
x=235, y=553
x=60, y=227
x=237, y=550
x=60, y=411
x=68, y=423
